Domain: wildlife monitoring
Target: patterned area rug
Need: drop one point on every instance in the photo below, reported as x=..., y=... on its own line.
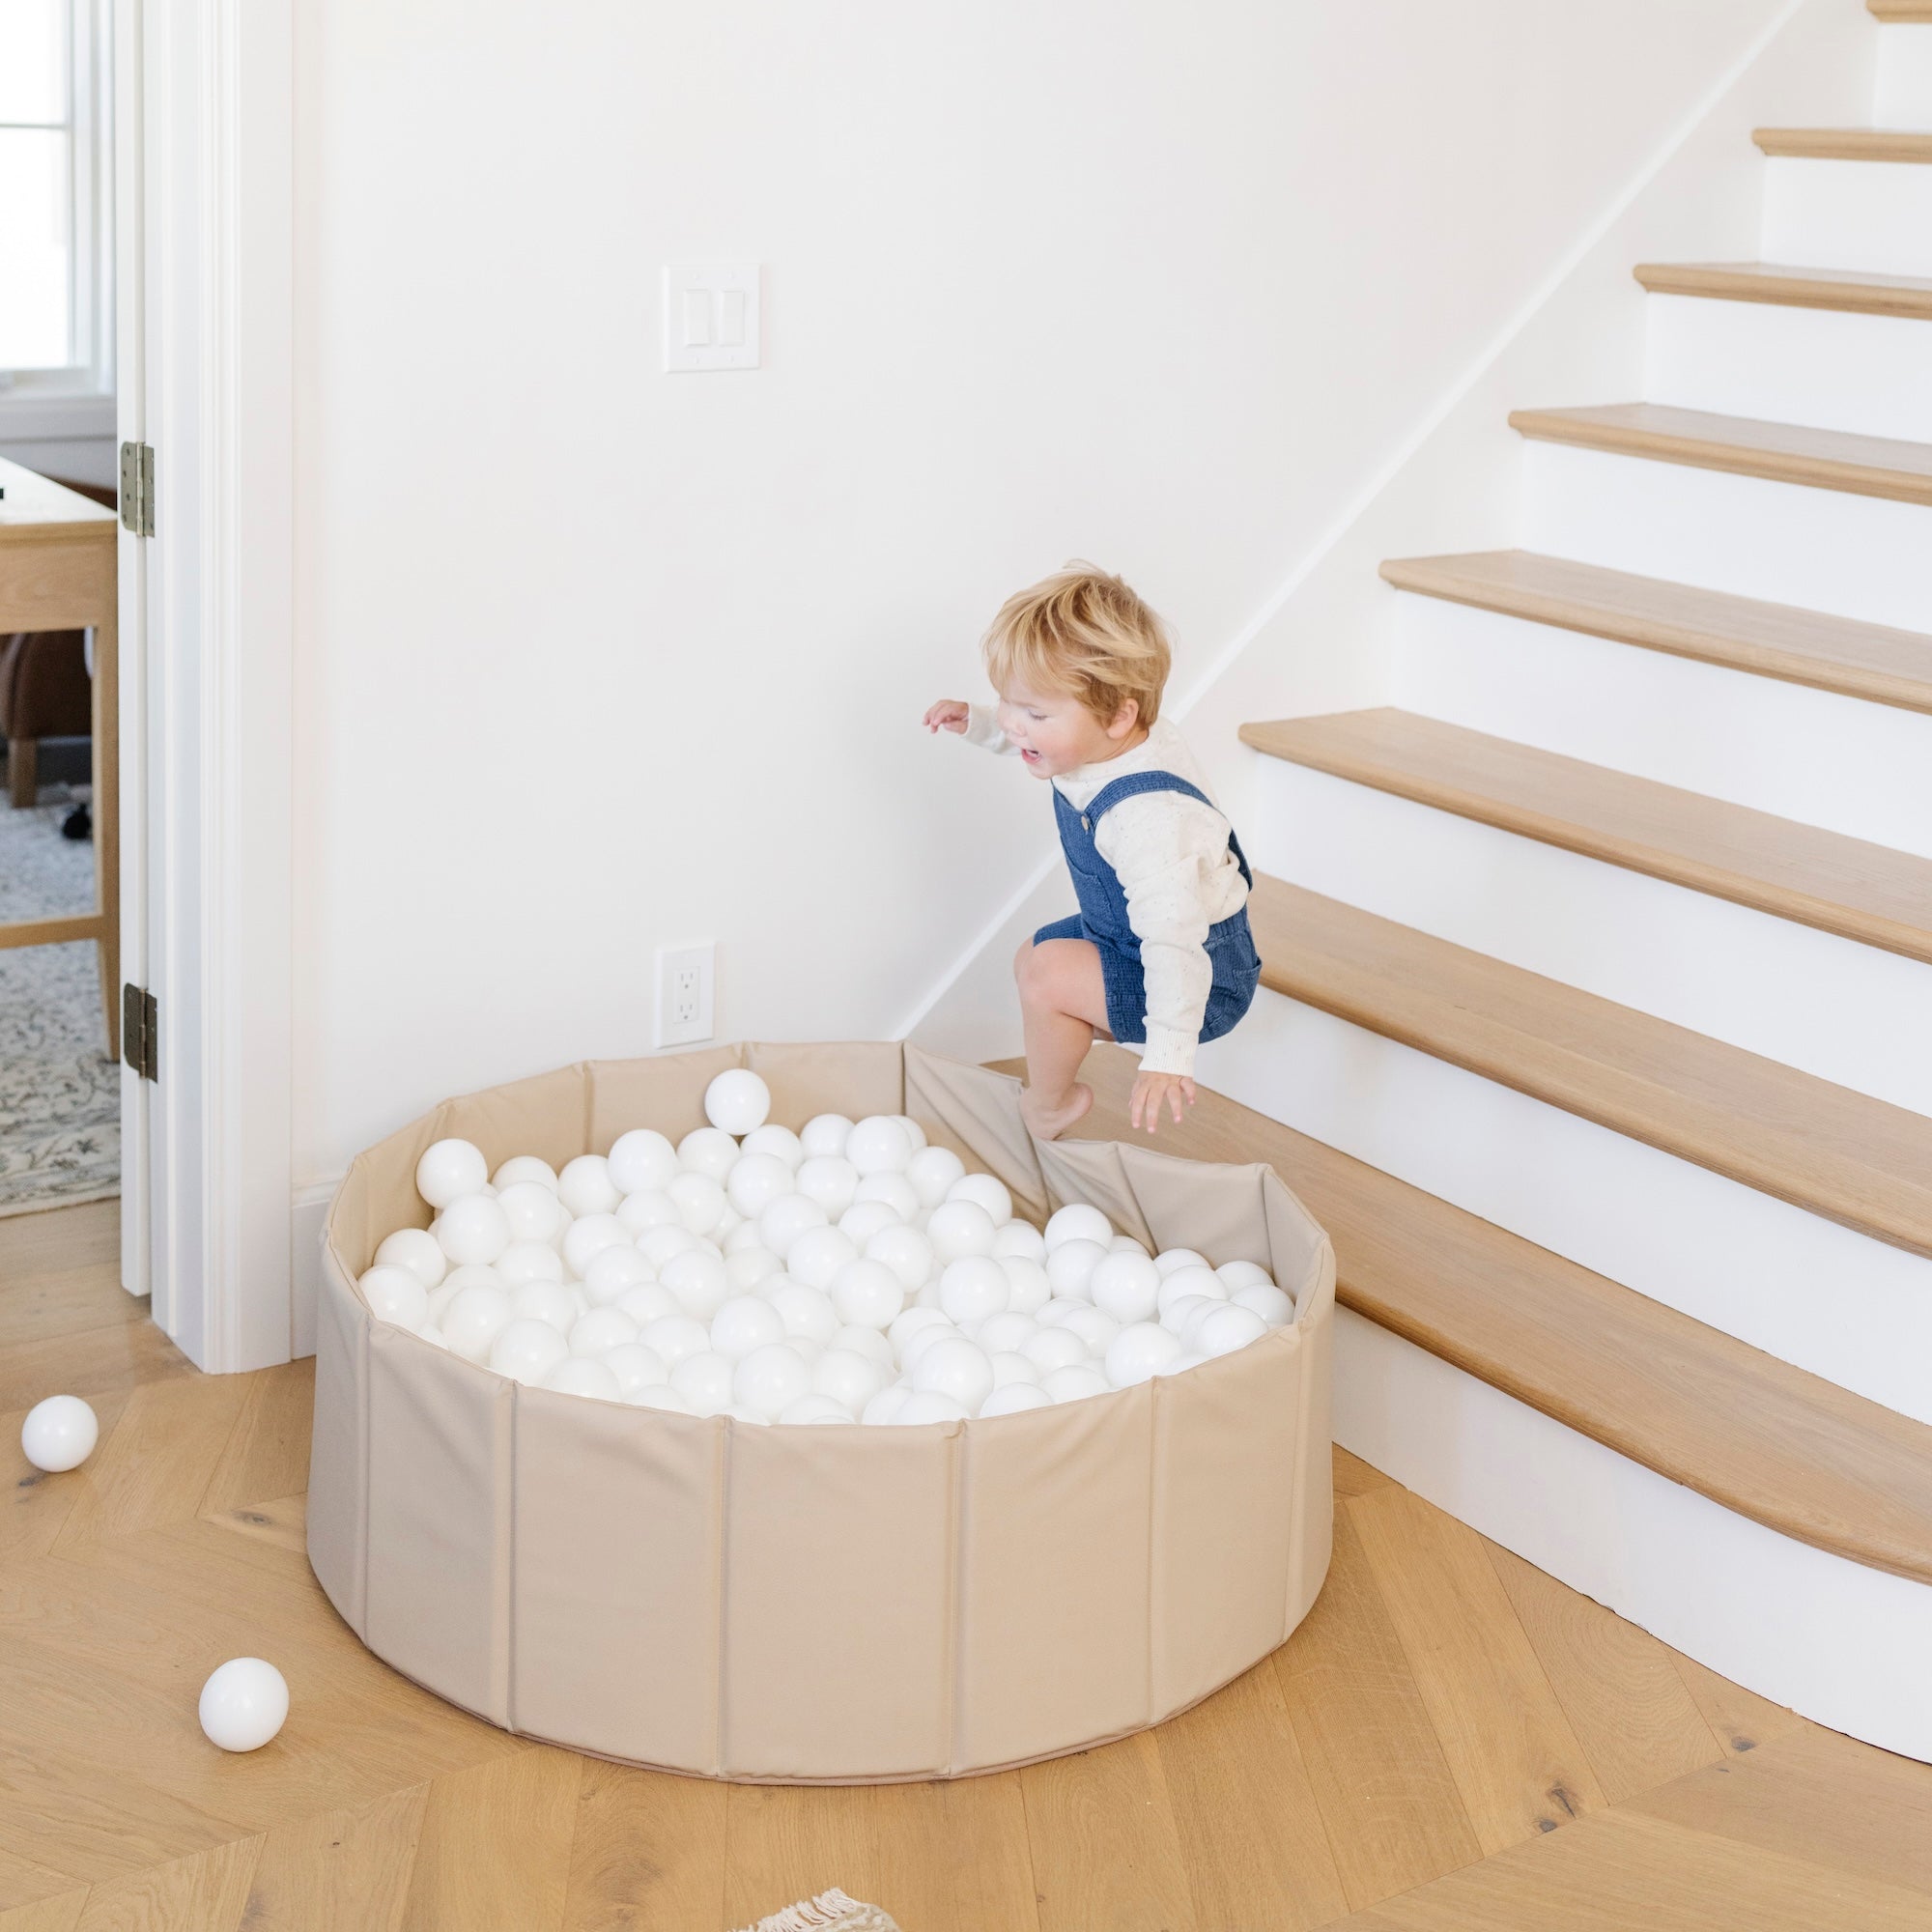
x=830, y=1912
x=60, y=1094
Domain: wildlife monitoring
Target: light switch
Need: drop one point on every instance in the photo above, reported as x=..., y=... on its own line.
x=711, y=315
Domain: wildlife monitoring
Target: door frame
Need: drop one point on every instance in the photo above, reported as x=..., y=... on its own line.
x=203, y=302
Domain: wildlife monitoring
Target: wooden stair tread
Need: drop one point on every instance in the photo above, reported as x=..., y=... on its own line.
x=1825, y=1148
x=1850, y=291
x=1895, y=11
x=1846, y=144
x=1824, y=459
x=1782, y=1447
x=1859, y=890
x=1811, y=647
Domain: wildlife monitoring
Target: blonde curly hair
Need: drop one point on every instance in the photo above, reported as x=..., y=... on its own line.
x=1083, y=632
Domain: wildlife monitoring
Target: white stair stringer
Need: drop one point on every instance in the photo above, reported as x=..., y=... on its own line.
x=1838, y=1303
x=1874, y=215
x=1847, y=764
x=1865, y=375
x=1784, y=543
x=1843, y=1644
x=1902, y=94
x=1831, y=1007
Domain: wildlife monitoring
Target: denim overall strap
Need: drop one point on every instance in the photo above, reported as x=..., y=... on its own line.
x=1110, y=795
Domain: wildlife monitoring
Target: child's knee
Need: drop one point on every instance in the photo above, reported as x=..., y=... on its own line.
x=1026, y=970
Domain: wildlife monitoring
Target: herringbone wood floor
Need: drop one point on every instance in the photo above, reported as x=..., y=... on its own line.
x=1452, y=1740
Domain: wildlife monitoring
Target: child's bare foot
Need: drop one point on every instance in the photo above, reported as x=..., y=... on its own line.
x=1048, y=1124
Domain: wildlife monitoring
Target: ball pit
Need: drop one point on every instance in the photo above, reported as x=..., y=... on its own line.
x=643, y=1561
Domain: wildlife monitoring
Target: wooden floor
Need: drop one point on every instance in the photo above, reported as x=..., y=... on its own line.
x=1452, y=1740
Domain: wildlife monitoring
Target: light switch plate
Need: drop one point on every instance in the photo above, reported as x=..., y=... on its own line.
x=711, y=315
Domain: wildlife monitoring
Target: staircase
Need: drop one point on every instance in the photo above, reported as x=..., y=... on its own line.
x=1597, y=1011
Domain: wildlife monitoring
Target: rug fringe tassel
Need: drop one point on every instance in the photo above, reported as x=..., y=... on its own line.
x=809, y=1914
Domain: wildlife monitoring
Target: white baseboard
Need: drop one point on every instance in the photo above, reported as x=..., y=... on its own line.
x=307, y=1216
x=1839, y=1643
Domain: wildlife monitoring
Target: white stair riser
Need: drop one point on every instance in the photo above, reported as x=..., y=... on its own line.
x=1846, y=1012
x=1822, y=549
x=1844, y=764
x=1903, y=96
x=1867, y=375
x=1853, y=1310
x=1843, y=1644
x=1875, y=216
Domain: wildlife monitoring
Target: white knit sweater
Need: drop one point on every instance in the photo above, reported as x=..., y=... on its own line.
x=1171, y=854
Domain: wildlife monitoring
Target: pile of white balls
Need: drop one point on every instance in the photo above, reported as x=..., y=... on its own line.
x=847, y=1272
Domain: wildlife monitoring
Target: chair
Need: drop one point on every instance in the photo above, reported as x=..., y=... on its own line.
x=45, y=692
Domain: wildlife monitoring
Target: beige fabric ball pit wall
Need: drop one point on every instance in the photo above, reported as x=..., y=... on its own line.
x=827, y=1603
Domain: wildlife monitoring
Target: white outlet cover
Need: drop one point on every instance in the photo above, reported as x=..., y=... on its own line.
x=711, y=315
x=686, y=1029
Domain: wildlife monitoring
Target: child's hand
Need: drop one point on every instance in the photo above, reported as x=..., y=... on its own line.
x=947, y=715
x=1151, y=1090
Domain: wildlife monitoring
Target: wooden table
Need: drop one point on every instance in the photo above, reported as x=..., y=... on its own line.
x=58, y=573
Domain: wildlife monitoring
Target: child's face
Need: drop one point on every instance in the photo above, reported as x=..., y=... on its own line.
x=1056, y=732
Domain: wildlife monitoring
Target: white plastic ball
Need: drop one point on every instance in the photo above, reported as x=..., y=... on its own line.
x=706, y=1151
x=1125, y=1244
x=894, y=1190
x=245, y=1701
x=865, y=1218
x=1139, y=1353
x=1010, y=1366
x=474, y=1274
x=647, y=1208
x=1069, y=1267
x=746, y=1266
x=973, y=1288
x=931, y=1171
x=532, y=1209
x=527, y=1349
x=638, y=1366
x=906, y=1252
x=879, y=1144
x=745, y=1323
x=1170, y=1258
x=741, y=1238
x=473, y=1229
x=786, y=1219
x=584, y=1375
x=1050, y=1349
x=612, y=1270
x=1125, y=1285
x=868, y=1343
x=660, y=1245
x=818, y=1254
x=884, y=1408
x=983, y=1190
x=1243, y=1274
x=850, y=1380
x=771, y=1138
x=647, y=1302
x=737, y=1100
x=439, y=1298
x=663, y=1396
x=924, y=1405
x=1078, y=1222
x=914, y=1131
x=1019, y=1240
x=1223, y=1330
x=700, y=1200
x=1181, y=1282
x=913, y=1321
x=1008, y=1329
x=770, y=1378
x=395, y=1294
x=915, y=1344
x=417, y=1250
x=808, y=1313
x=599, y=1330
x=959, y=1228
x=956, y=1368
x=473, y=1320
x=1029, y=1290
x=829, y=1180
x=527, y=1260
x=1179, y=1316
x=1274, y=1305
x=1013, y=1398
x=586, y=1186
x=1094, y=1330
x=640, y=1161
x=521, y=1167
x=557, y=1302
x=675, y=1338
x=60, y=1431
x=588, y=1236
x=755, y=1181
x=825, y=1133
x=815, y=1408
x=699, y=1281
x=449, y=1169
x=704, y=1381
x=1075, y=1382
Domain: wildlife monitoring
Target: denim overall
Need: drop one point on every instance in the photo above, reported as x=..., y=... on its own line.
x=1102, y=917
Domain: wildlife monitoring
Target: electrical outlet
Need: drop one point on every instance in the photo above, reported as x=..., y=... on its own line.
x=687, y=987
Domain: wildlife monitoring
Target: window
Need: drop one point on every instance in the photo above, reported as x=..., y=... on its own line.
x=56, y=322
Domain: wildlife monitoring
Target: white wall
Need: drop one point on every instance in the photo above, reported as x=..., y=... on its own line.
x=591, y=659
